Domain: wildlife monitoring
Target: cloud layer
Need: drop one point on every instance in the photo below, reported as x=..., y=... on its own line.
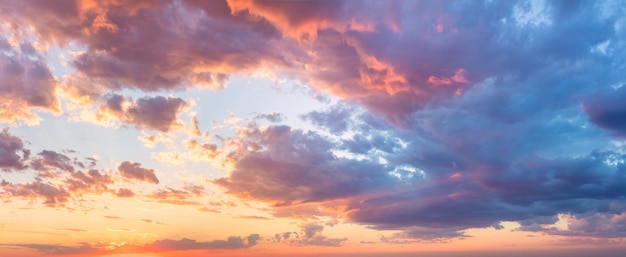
x=453, y=115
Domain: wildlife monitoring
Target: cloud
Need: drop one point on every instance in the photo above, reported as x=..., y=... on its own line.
x=284, y=165
x=83, y=248
x=154, y=113
x=443, y=181
x=12, y=152
x=51, y=159
x=313, y=236
x=489, y=114
x=59, y=178
x=176, y=57
x=233, y=242
x=133, y=170
x=124, y=192
x=606, y=110
x=179, y=197
x=54, y=195
x=92, y=181
x=336, y=120
x=201, y=151
x=27, y=82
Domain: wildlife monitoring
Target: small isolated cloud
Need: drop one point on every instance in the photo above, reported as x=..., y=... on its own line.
x=133, y=170
x=154, y=113
x=52, y=249
x=274, y=117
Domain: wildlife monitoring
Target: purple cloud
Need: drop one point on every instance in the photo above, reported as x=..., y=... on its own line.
x=12, y=152
x=133, y=170
x=155, y=113
x=27, y=82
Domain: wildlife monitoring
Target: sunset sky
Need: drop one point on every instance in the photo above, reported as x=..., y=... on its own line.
x=312, y=128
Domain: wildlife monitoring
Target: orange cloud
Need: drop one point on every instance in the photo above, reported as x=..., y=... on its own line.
x=460, y=76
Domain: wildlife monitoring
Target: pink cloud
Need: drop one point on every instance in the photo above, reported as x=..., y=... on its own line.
x=26, y=83
x=12, y=152
x=133, y=170
x=54, y=195
x=124, y=192
x=155, y=113
x=460, y=77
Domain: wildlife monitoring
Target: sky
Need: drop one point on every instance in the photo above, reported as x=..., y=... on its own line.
x=312, y=128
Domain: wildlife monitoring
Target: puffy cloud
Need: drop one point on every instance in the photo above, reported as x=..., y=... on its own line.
x=54, y=195
x=377, y=55
x=284, y=165
x=26, y=81
x=274, y=117
x=434, y=182
x=200, y=150
x=58, y=179
x=12, y=152
x=133, y=170
x=92, y=181
x=178, y=55
x=155, y=113
x=51, y=159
